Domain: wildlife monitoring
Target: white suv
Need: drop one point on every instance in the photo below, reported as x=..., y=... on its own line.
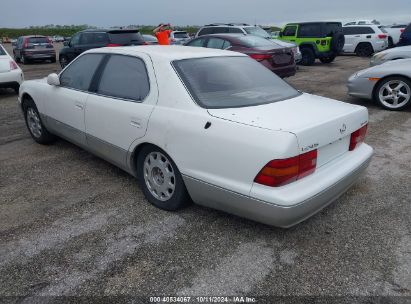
x=364, y=40
x=232, y=28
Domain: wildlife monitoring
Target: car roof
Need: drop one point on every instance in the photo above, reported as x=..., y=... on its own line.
x=169, y=52
x=227, y=35
x=34, y=36
x=109, y=31
x=312, y=22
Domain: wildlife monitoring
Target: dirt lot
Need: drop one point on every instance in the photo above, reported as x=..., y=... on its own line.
x=72, y=224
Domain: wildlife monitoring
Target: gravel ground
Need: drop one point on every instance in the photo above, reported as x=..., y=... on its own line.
x=71, y=224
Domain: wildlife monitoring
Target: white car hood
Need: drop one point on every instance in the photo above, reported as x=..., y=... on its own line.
x=313, y=119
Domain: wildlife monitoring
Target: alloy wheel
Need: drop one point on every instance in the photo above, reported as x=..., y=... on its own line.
x=395, y=94
x=34, y=123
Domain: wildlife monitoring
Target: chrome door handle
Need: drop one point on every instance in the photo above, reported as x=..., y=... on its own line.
x=79, y=106
x=136, y=124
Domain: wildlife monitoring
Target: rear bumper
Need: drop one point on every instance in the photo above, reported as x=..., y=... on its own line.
x=39, y=55
x=287, y=71
x=274, y=214
x=11, y=79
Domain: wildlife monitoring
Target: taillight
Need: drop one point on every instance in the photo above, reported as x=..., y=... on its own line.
x=280, y=172
x=13, y=65
x=26, y=43
x=402, y=30
x=358, y=137
x=382, y=36
x=260, y=57
x=113, y=44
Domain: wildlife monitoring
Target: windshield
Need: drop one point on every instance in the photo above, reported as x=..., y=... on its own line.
x=257, y=31
x=231, y=82
x=255, y=41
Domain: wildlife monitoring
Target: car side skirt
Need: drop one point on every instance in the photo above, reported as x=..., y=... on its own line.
x=212, y=196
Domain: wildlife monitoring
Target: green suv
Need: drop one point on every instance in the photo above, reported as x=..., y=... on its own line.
x=322, y=40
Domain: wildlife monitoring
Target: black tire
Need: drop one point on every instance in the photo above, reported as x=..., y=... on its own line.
x=63, y=61
x=16, y=88
x=53, y=60
x=327, y=59
x=364, y=50
x=44, y=137
x=337, y=42
x=403, y=103
x=17, y=59
x=308, y=56
x=179, y=197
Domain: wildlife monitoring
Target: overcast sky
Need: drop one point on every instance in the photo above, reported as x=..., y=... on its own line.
x=103, y=13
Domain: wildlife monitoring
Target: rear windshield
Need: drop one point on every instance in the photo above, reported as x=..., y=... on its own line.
x=257, y=31
x=38, y=40
x=126, y=38
x=181, y=35
x=255, y=41
x=231, y=82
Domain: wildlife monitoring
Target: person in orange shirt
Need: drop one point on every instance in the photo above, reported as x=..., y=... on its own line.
x=162, y=33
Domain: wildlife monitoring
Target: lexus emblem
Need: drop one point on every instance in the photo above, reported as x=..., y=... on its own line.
x=343, y=129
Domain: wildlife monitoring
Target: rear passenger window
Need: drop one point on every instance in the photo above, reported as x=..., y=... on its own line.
x=216, y=43
x=220, y=30
x=196, y=42
x=290, y=31
x=358, y=30
x=235, y=30
x=205, y=31
x=124, y=77
x=80, y=72
x=310, y=30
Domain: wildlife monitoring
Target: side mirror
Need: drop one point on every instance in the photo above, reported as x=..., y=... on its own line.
x=66, y=43
x=53, y=79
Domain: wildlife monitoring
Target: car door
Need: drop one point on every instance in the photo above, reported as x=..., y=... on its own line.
x=289, y=33
x=65, y=103
x=351, y=37
x=74, y=44
x=118, y=110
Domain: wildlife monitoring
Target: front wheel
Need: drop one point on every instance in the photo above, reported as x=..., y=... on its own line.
x=327, y=59
x=160, y=179
x=34, y=124
x=394, y=93
x=364, y=50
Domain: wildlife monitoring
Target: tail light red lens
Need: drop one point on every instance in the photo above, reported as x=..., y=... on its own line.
x=113, y=44
x=402, y=30
x=260, y=57
x=13, y=65
x=358, y=137
x=280, y=172
x=382, y=36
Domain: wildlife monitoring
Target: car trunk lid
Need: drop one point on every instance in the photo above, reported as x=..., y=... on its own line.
x=317, y=122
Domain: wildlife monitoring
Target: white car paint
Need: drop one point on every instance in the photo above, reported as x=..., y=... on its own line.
x=9, y=76
x=219, y=163
x=353, y=40
x=395, y=32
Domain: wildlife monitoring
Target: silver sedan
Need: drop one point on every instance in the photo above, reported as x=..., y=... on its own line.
x=389, y=84
x=403, y=52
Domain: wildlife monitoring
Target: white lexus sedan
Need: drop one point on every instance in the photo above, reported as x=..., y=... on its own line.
x=210, y=126
x=11, y=76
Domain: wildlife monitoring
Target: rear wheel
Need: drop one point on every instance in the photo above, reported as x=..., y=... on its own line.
x=364, y=50
x=327, y=59
x=53, y=60
x=23, y=59
x=394, y=93
x=308, y=56
x=161, y=180
x=34, y=124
